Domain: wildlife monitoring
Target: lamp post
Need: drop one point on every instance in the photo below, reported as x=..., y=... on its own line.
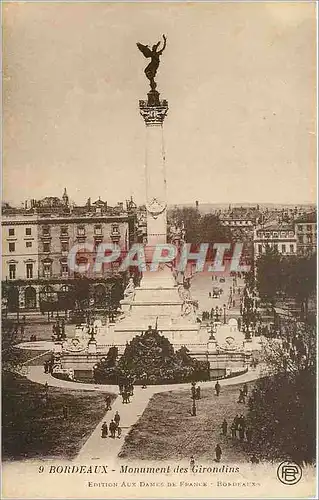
x=208, y=366
x=194, y=408
x=224, y=308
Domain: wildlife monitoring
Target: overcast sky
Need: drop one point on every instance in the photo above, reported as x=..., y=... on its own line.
x=239, y=79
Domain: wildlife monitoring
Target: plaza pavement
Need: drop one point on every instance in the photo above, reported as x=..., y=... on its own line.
x=98, y=449
x=202, y=284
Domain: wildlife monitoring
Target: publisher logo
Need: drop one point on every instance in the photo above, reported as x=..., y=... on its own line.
x=289, y=473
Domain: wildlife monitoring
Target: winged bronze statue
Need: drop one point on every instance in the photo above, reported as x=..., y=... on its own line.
x=151, y=70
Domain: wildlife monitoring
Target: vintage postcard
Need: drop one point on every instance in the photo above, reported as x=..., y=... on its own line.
x=159, y=248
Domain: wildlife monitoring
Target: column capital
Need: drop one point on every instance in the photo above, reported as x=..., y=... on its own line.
x=153, y=110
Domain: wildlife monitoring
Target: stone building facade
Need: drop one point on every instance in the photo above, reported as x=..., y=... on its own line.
x=281, y=237
x=37, y=240
x=306, y=232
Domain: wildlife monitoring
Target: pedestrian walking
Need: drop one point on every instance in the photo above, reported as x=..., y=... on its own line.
x=119, y=431
x=108, y=403
x=65, y=411
x=245, y=389
x=104, y=430
x=241, y=434
x=191, y=463
x=217, y=388
x=233, y=430
x=242, y=421
x=46, y=389
x=198, y=392
x=144, y=380
x=218, y=453
x=50, y=365
x=117, y=418
x=112, y=428
x=241, y=398
x=224, y=427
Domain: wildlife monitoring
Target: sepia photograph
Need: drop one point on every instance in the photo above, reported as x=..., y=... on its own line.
x=159, y=250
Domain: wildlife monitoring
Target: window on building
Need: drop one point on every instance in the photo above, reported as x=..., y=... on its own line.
x=300, y=228
x=309, y=228
x=275, y=235
x=12, y=247
x=300, y=238
x=28, y=244
x=283, y=248
x=45, y=230
x=28, y=231
x=309, y=238
x=11, y=231
x=276, y=246
x=47, y=269
x=12, y=271
x=64, y=270
x=64, y=230
x=267, y=235
x=29, y=270
x=260, y=249
x=46, y=247
x=292, y=249
x=81, y=231
x=98, y=230
x=64, y=247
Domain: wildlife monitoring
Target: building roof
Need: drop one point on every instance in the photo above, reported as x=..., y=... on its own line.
x=276, y=227
x=307, y=218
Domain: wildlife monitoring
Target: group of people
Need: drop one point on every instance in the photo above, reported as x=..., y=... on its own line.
x=234, y=296
x=254, y=363
x=126, y=389
x=243, y=393
x=215, y=314
x=113, y=428
x=58, y=330
x=238, y=429
x=48, y=365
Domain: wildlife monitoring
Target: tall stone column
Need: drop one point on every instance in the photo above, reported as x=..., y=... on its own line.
x=154, y=111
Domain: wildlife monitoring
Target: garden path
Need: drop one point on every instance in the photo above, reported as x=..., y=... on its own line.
x=96, y=448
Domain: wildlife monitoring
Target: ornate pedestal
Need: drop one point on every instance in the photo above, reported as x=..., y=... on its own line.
x=157, y=302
